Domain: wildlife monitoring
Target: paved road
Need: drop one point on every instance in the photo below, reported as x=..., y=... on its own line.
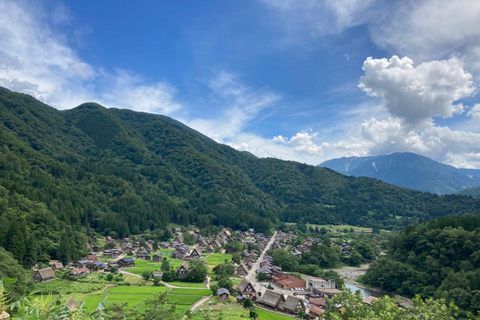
x=251, y=275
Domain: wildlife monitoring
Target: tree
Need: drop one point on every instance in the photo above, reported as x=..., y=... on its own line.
x=158, y=308
x=385, y=309
x=285, y=260
x=247, y=303
x=224, y=281
x=165, y=265
x=197, y=271
x=147, y=275
x=167, y=235
x=11, y=269
x=262, y=276
x=169, y=276
x=117, y=311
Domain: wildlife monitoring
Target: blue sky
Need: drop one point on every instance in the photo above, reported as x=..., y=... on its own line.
x=299, y=80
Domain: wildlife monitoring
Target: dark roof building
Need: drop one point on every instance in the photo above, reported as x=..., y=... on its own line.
x=43, y=275
x=272, y=299
x=293, y=305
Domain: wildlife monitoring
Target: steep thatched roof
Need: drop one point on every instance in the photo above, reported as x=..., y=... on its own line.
x=292, y=302
x=71, y=304
x=271, y=298
x=244, y=284
x=46, y=273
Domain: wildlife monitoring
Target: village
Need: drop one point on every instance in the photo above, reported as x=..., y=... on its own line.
x=256, y=276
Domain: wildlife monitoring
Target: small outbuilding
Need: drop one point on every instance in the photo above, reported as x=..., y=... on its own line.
x=43, y=275
x=223, y=294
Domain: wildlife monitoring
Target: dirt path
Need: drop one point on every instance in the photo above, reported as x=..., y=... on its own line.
x=196, y=305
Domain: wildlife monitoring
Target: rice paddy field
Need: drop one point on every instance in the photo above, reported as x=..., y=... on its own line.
x=142, y=265
x=217, y=258
x=135, y=296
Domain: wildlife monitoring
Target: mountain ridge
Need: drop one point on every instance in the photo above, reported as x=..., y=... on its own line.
x=408, y=170
x=119, y=172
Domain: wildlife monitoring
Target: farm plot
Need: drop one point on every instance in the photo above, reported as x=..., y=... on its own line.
x=142, y=265
x=131, y=295
x=136, y=296
x=216, y=259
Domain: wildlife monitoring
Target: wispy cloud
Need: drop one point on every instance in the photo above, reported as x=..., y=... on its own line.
x=36, y=59
x=240, y=104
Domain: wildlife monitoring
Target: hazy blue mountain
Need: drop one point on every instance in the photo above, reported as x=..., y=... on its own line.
x=408, y=170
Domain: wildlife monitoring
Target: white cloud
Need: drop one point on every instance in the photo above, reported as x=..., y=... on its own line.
x=416, y=94
x=36, y=59
x=320, y=17
x=240, y=105
x=127, y=90
x=32, y=58
x=474, y=114
x=306, y=142
x=429, y=29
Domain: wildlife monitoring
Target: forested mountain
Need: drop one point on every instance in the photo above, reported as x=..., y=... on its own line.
x=119, y=172
x=408, y=170
x=473, y=192
x=440, y=258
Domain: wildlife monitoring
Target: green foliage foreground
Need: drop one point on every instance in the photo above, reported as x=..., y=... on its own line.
x=439, y=259
x=352, y=308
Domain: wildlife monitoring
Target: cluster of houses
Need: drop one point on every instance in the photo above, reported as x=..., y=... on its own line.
x=292, y=294
x=126, y=246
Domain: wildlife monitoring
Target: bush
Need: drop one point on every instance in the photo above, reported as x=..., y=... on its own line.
x=248, y=303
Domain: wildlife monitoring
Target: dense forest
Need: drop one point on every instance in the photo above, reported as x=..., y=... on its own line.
x=64, y=174
x=473, y=192
x=439, y=258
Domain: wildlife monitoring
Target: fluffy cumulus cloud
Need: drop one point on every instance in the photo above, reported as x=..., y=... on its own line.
x=459, y=148
x=35, y=58
x=474, y=114
x=412, y=96
x=417, y=93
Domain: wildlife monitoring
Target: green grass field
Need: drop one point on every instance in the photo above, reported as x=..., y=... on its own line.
x=136, y=296
x=142, y=265
x=236, y=281
x=203, y=292
x=187, y=284
x=265, y=315
x=217, y=258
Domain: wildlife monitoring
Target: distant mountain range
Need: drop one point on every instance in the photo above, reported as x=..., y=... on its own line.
x=408, y=170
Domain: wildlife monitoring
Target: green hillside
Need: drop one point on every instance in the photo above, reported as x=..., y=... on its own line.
x=119, y=172
x=473, y=192
x=440, y=259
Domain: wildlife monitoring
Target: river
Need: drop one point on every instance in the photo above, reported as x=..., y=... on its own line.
x=365, y=292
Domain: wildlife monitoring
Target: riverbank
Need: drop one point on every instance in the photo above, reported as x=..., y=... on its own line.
x=351, y=274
